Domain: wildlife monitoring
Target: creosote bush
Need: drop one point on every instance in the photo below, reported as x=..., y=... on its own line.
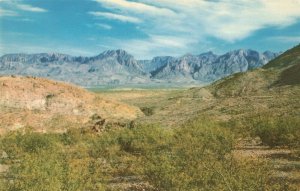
x=148, y=111
x=196, y=156
x=277, y=131
x=200, y=158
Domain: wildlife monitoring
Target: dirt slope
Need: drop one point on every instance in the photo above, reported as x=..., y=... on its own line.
x=49, y=105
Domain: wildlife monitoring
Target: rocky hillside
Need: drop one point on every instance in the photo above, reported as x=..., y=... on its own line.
x=117, y=67
x=271, y=90
x=277, y=75
x=49, y=105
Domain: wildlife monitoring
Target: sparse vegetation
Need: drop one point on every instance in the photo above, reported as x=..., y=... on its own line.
x=277, y=131
x=203, y=139
x=195, y=156
x=148, y=111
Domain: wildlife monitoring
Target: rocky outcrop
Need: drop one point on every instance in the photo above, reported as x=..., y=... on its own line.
x=30, y=101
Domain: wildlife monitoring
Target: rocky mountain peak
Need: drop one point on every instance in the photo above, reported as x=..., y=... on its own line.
x=119, y=67
x=209, y=53
x=115, y=53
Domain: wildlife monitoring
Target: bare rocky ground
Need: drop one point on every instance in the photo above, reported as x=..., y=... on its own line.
x=46, y=105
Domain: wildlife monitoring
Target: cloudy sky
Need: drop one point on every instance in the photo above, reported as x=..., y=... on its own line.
x=147, y=28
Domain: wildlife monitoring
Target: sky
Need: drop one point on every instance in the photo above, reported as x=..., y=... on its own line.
x=147, y=28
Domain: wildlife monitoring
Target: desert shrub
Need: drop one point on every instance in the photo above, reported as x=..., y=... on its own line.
x=34, y=142
x=71, y=137
x=67, y=139
x=277, y=131
x=200, y=157
x=123, y=149
x=136, y=141
x=41, y=162
x=105, y=145
x=36, y=171
x=55, y=171
x=183, y=167
x=144, y=138
x=195, y=156
x=16, y=143
x=148, y=111
x=9, y=144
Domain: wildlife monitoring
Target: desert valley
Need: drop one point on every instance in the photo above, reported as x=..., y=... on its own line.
x=141, y=95
x=238, y=133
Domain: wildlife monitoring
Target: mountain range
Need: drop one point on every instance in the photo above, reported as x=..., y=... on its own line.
x=117, y=67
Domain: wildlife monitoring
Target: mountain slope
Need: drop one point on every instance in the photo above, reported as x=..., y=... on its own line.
x=109, y=67
x=282, y=71
x=235, y=97
x=289, y=64
x=155, y=63
x=117, y=67
x=208, y=67
x=288, y=58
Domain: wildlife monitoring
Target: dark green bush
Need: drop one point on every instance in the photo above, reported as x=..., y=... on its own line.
x=34, y=142
x=148, y=111
x=277, y=131
x=71, y=137
x=142, y=139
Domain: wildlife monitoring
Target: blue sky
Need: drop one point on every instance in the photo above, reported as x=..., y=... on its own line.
x=147, y=28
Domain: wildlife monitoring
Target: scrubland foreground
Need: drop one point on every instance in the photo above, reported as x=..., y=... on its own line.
x=196, y=156
x=240, y=133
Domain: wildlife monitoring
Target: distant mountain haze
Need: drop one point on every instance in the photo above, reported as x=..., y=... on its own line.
x=117, y=67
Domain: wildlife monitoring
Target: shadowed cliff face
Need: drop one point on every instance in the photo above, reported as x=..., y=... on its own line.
x=26, y=101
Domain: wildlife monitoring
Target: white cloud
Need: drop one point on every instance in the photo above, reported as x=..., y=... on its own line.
x=17, y=34
x=13, y=6
x=4, y=12
x=286, y=39
x=154, y=45
x=27, y=20
x=232, y=20
x=104, y=26
x=183, y=24
x=135, y=6
x=28, y=48
x=118, y=17
x=26, y=7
